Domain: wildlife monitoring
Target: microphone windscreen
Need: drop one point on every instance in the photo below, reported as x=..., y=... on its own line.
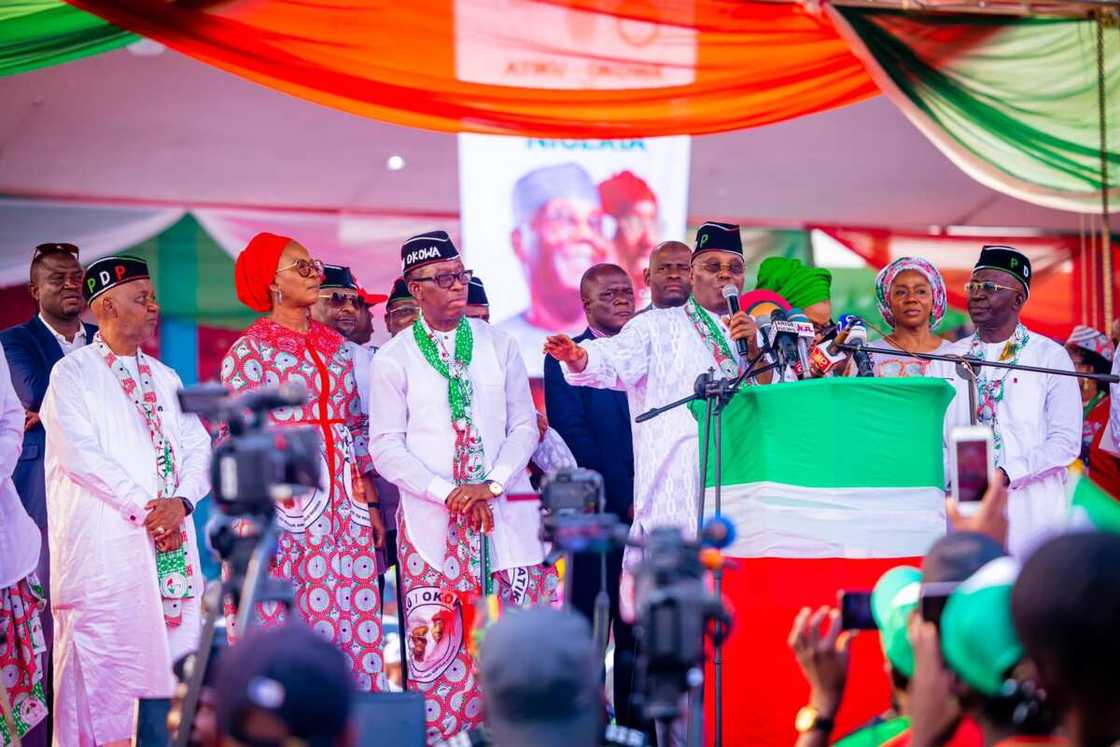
x=718, y=532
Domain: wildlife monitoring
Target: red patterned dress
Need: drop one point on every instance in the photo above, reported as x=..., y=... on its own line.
x=326, y=547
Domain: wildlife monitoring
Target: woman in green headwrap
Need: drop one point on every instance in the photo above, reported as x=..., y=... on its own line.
x=807, y=288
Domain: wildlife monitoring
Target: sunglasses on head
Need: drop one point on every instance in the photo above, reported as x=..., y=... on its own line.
x=55, y=248
x=339, y=300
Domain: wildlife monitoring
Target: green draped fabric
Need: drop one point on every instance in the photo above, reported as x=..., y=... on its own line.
x=39, y=33
x=1012, y=101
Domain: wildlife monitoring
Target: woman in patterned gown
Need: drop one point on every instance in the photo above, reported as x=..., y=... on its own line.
x=328, y=542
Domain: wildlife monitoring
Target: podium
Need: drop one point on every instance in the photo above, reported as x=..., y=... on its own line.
x=830, y=483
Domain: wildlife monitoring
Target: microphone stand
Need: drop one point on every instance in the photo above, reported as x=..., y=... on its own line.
x=966, y=369
x=717, y=394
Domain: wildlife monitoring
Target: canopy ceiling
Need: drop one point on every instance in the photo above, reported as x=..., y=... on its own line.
x=165, y=128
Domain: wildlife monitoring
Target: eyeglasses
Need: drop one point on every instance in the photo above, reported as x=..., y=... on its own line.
x=54, y=248
x=447, y=279
x=987, y=287
x=733, y=267
x=339, y=300
x=304, y=267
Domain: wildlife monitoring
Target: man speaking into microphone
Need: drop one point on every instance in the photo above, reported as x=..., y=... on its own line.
x=655, y=359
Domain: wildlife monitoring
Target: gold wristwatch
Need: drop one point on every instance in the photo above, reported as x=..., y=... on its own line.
x=809, y=719
x=496, y=487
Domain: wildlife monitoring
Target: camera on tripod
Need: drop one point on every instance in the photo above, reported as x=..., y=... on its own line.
x=572, y=518
x=257, y=466
x=675, y=614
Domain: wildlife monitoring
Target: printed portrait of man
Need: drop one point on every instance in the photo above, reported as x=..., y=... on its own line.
x=557, y=235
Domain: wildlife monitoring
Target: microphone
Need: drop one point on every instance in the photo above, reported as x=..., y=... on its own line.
x=785, y=340
x=826, y=357
x=731, y=295
x=858, y=337
x=718, y=532
x=805, y=335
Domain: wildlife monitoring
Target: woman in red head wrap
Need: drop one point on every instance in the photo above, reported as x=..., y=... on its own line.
x=327, y=546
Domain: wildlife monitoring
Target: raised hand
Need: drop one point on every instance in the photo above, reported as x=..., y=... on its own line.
x=566, y=350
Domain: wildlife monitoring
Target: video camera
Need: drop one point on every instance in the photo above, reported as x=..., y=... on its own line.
x=675, y=610
x=675, y=613
x=257, y=466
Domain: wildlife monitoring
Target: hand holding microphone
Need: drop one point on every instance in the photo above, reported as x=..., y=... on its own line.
x=742, y=327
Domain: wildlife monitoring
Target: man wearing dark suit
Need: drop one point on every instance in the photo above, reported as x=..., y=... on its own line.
x=595, y=423
x=32, y=349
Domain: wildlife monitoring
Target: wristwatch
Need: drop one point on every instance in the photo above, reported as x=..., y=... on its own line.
x=809, y=719
x=496, y=488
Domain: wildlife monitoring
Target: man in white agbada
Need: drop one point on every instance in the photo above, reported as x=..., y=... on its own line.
x=655, y=359
x=124, y=468
x=454, y=428
x=1035, y=418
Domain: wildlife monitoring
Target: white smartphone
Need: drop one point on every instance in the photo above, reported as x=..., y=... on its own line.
x=972, y=459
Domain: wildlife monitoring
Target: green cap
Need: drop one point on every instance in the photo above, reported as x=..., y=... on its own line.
x=1092, y=508
x=894, y=597
x=977, y=637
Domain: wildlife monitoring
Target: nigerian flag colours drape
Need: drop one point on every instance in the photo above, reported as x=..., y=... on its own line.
x=38, y=33
x=528, y=67
x=829, y=483
x=1012, y=101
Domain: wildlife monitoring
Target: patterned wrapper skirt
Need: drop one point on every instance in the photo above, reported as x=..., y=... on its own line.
x=434, y=635
x=22, y=664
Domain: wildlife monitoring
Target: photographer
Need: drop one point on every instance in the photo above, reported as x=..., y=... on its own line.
x=980, y=664
x=1066, y=610
x=824, y=658
x=285, y=686
x=540, y=681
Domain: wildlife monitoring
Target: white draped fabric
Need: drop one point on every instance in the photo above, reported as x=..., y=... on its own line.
x=100, y=230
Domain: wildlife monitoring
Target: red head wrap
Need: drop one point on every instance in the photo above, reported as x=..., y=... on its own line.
x=622, y=191
x=255, y=269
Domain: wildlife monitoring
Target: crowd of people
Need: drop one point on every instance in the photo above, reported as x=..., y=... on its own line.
x=430, y=446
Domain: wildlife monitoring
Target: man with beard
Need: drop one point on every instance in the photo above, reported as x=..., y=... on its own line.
x=32, y=349
x=655, y=359
x=1035, y=418
x=124, y=468
x=557, y=236
x=595, y=424
x=339, y=306
x=633, y=205
x=667, y=276
x=454, y=424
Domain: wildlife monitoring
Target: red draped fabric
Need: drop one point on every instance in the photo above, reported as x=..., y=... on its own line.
x=528, y=67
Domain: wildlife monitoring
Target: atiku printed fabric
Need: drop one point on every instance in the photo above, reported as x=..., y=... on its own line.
x=326, y=547
x=434, y=632
x=22, y=664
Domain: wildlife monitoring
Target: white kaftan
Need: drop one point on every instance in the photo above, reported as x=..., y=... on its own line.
x=655, y=359
x=111, y=642
x=1039, y=420
x=412, y=442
